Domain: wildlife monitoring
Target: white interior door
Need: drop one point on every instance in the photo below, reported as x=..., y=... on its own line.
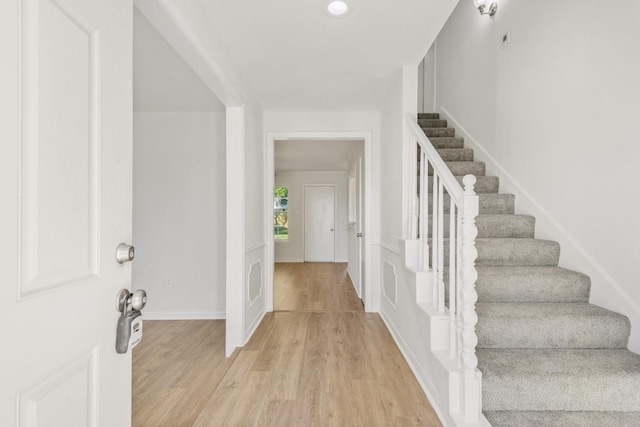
x=65, y=198
x=319, y=224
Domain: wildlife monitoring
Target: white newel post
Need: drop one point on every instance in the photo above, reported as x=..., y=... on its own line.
x=472, y=387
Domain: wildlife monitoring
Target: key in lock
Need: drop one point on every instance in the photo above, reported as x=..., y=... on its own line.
x=129, y=328
x=129, y=331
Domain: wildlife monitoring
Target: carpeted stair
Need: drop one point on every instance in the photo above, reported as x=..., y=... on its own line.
x=547, y=356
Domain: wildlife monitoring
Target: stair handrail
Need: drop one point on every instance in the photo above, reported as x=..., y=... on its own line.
x=464, y=207
x=450, y=182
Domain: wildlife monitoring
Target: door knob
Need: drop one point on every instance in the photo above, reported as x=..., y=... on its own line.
x=125, y=253
x=358, y=234
x=137, y=300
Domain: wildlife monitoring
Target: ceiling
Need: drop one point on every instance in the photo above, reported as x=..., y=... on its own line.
x=294, y=57
x=313, y=155
x=162, y=80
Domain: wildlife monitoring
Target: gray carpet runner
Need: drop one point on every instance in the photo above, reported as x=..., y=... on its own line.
x=547, y=356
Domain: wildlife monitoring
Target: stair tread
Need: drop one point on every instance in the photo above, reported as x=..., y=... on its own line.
x=490, y=203
x=512, y=251
x=517, y=251
x=560, y=379
x=484, y=184
x=444, y=142
x=438, y=132
x=550, y=325
x=563, y=418
x=456, y=154
x=496, y=203
x=428, y=115
x=460, y=169
x=559, y=363
x=497, y=225
x=436, y=123
x=531, y=284
x=547, y=310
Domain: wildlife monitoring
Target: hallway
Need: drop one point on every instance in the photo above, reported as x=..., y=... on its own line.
x=317, y=360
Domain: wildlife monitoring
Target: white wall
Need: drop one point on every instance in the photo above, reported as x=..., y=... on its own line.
x=391, y=149
x=179, y=213
x=292, y=250
x=428, y=82
x=555, y=113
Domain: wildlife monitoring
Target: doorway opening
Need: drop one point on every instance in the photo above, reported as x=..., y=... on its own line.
x=326, y=179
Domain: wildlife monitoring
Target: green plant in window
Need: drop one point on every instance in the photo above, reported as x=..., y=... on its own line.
x=281, y=213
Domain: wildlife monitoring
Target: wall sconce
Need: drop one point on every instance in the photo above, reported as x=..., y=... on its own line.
x=482, y=7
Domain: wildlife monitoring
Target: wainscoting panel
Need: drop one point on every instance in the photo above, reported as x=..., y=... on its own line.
x=254, y=298
x=255, y=282
x=390, y=282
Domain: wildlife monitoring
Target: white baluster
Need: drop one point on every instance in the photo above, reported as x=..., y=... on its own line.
x=440, y=271
x=435, y=238
x=453, y=261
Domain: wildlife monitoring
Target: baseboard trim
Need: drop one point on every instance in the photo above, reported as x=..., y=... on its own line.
x=353, y=282
x=254, y=325
x=422, y=377
x=573, y=255
x=289, y=260
x=220, y=315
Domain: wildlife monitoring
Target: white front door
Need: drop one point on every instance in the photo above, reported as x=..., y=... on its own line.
x=319, y=224
x=65, y=204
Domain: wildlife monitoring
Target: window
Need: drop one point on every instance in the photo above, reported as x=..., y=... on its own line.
x=281, y=213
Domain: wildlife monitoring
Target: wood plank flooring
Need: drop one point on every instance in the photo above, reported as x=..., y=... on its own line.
x=320, y=286
x=322, y=362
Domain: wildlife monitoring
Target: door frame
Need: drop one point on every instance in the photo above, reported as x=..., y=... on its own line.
x=304, y=217
x=272, y=137
x=359, y=221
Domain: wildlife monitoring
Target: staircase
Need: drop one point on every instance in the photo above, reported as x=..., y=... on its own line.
x=547, y=356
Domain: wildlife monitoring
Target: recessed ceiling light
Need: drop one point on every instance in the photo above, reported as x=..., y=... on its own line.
x=337, y=7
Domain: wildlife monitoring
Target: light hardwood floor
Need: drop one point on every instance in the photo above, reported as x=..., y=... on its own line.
x=318, y=360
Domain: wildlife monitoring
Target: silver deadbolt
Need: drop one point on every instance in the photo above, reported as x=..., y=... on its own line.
x=125, y=253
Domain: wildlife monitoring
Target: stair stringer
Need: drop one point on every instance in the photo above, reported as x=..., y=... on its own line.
x=605, y=291
x=422, y=335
